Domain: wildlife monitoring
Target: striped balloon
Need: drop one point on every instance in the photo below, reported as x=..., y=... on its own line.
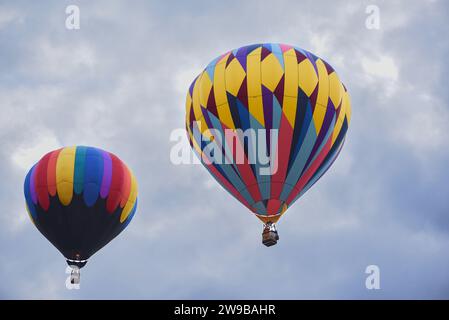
x=269, y=87
x=80, y=198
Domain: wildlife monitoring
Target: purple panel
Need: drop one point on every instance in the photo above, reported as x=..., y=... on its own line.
x=107, y=174
x=241, y=57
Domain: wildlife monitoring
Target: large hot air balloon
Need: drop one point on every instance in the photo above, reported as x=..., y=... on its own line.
x=296, y=110
x=80, y=198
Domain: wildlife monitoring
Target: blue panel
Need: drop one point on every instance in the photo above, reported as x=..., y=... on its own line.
x=26, y=189
x=78, y=177
x=93, y=175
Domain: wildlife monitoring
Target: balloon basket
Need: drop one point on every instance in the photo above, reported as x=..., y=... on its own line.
x=270, y=235
x=75, y=275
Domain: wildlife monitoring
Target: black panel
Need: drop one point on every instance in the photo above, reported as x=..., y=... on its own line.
x=76, y=230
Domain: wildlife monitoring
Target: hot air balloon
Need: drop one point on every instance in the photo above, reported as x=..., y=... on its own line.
x=80, y=198
x=298, y=104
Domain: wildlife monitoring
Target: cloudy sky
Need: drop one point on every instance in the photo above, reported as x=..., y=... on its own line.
x=119, y=83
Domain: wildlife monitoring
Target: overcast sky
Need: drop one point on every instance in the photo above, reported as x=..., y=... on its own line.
x=119, y=83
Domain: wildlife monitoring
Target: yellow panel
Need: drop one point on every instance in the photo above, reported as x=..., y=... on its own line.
x=205, y=86
x=197, y=107
x=323, y=86
x=337, y=129
x=221, y=99
x=65, y=168
x=307, y=77
x=196, y=99
x=219, y=83
x=224, y=114
x=291, y=74
x=271, y=72
x=335, y=89
x=189, y=132
x=188, y=107
x=204, y=129
x=290, y=52
x=289, y=108
x=348, y=110
x=223, y=58
x=256, y=103
x=344, y=105
x=318, y=116
x=253, y=73
x=290, y=87
x=342, y=113
x=188, y=102
x=342, y=90
x=345, y=111
x=255, y=85
x=131, y=199
x=234, y=77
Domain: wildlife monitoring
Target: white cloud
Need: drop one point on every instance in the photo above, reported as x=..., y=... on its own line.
x=382, y=67
x=423, y=126
x=7, y=16
x=28, y=153
x=15, y=219
x=61, y=60
x=185, y=76
x=320, y=43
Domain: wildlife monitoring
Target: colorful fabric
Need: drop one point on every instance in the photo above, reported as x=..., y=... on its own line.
x=80, y=198
x=270, y=86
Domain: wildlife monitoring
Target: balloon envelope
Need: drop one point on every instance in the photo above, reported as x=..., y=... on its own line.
x=80, y=198
x=293, y=96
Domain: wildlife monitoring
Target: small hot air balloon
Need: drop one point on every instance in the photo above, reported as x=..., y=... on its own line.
x=80, y=198
x=298, y=103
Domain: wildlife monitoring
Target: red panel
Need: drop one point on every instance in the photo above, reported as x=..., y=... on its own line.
x=246, y=173
x=126, y=186
x=51, y=172
x=41, y=182
x=284, y=145
x=117, y=183
x=273, y=206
